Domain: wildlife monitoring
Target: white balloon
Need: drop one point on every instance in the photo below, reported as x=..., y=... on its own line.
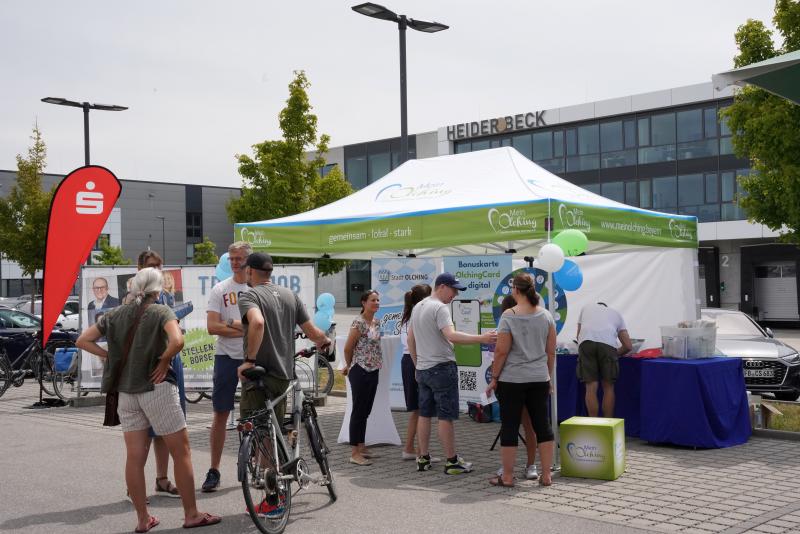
x=550, y=258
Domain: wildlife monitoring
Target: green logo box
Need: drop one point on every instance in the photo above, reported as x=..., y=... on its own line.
x=592, y=447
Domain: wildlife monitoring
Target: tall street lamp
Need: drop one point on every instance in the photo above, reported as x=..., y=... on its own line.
x=86, y=106
x=163, y=239
x=379, y=12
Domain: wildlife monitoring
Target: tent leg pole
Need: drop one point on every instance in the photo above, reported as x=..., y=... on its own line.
x=551, y=305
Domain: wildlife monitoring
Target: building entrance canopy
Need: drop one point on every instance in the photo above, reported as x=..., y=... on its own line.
x=474, y=203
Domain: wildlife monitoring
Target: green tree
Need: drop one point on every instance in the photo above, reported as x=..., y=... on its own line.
x=766, y=129
x=110, y=255
x=280, y=179
x=25, y=211
x=204, y=253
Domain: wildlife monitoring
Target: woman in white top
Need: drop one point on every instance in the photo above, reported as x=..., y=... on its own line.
x=410, y=388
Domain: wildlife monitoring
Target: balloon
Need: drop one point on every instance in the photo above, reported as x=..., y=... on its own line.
x=325, y=301
x=322, y=320
x=572, y=242
x=569, y=277
x=223, y=268
x=550, y=258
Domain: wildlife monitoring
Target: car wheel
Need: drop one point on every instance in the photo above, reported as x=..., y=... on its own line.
x=786, y=395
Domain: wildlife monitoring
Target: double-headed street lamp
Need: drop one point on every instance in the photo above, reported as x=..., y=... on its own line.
x=379, y=12
x=86, y=106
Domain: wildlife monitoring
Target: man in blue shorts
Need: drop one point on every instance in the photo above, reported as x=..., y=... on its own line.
x=225, y=321
x=430, y=342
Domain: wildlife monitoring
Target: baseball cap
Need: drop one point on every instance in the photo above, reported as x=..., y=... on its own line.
x=448, y=279
x=260, y=261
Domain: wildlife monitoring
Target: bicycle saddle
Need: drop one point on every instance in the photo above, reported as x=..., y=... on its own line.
x=254, y=373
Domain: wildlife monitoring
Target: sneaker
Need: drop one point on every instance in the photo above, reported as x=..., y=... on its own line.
x=500, y=471
x=531, y=473
x=271, y=510
x=212, y=481
x=408, y=456
x=423, y=463
x=458, y=467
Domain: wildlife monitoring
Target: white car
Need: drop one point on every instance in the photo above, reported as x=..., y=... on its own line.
x=68, y=318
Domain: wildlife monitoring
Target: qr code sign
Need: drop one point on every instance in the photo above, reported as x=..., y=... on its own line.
x=467, y=380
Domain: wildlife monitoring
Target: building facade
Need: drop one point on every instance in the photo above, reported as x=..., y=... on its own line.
x=167, y=218
x=666, y=151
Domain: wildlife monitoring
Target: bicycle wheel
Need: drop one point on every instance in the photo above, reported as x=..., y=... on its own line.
x=325, y=374
x=5, y=373
x=268, y=499
x=63, y=384
x=41, y=362
x=195, y=396
x=320, y=452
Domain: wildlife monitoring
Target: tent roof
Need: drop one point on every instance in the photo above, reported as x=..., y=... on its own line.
x=779, y=75
x=472, y=203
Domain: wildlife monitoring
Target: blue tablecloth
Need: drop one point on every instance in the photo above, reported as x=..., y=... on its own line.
x=697, y=403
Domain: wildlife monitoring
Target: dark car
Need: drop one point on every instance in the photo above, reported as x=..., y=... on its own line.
x=770, y=366
x=19, y=328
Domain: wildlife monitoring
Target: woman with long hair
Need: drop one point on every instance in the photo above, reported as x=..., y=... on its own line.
x=410, y=387
x=523, y=364
x=143, y=337
x=363, y=361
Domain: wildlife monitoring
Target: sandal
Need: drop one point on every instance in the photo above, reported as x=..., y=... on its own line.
x=498, y=482
x=152, y=522
x=205, y=521
x=128, y=495
x=167, y=491
x=543, y=483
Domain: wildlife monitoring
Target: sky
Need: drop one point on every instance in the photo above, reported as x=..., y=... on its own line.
x=205, y=80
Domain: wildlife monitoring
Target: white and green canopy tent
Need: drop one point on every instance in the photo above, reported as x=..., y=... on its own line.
x=484, y=202
x=779, y=75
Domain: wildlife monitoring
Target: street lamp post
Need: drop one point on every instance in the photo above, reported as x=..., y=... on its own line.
x=163, y=238
x=86, y=106
x=379, y=12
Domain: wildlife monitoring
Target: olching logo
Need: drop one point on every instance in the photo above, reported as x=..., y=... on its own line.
x=585, y=453
x=573, y=218
x=400, y=192
x=680, y=230
x=254, y=237
x=511, y=221
x=384, y=275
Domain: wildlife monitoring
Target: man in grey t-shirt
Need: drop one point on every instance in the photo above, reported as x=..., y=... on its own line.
x=269, y=316
x=430, y=341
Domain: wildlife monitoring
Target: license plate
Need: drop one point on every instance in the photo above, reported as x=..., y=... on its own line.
x=759, y=373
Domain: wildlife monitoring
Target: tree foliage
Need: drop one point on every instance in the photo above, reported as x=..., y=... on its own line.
x=110, y=255
x=25, y=211
x=204, y=253
x=766, y=128
x=279, y=179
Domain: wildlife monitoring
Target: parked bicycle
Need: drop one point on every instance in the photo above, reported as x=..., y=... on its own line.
x=38, y=362
x=304, y=365
x=269, y=461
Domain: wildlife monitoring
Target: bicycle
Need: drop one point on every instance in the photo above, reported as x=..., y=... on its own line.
x=39, y=362
x=268, y=463
x=325, y=374
x=196, y=396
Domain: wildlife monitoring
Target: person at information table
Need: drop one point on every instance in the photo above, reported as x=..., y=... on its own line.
x=524, y=359
x=599, y=329
x=363, y=360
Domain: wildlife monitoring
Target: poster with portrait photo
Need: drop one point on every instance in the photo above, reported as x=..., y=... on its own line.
x=172, y=289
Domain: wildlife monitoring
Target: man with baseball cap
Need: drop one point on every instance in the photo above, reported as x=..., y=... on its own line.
x=430, y=341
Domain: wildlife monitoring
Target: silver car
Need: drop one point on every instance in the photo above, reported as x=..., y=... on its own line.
x=770, y=366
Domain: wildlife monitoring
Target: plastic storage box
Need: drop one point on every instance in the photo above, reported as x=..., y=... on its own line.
x=689, y=343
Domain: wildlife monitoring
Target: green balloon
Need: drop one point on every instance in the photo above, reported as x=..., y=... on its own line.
x=572, y=242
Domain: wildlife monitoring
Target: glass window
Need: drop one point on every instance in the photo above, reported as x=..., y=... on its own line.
x=629, y=128
x=594, y=188
x=725, y=146
x=588, y=139
x=710, y=122
x=723, y=124
x=644, y=132
x=665, y=193
x=632, y=193
x=542, y=145
x=495, y=143
x=379, y=165
x=732, y=212
x=690, y=190
x=618, y=159
x=553, y=165
x=558, y=144
x=572, y=142
x=523, y=144
x=505, y=141
x=663, y=126
x=463, y=147
x=690, y=125
x=583, y=163
x=644, y=194
x=611, y=136
x=697, y=149
x=613, y=190
x=712, y=189
x=656, y=154
x=356, y=171
x=728, y=186
x=708, y=213
x=484, y=144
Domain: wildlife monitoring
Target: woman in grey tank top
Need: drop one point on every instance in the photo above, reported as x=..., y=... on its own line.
x=523, y=363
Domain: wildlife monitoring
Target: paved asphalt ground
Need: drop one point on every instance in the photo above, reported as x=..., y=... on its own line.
x=61, y=471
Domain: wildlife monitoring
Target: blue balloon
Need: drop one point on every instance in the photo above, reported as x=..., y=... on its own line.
x=569, y=277
x=223, y=271
x=325, y=301
x=322, y=320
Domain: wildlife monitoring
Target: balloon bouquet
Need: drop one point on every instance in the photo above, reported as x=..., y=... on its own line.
x=551, y=258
